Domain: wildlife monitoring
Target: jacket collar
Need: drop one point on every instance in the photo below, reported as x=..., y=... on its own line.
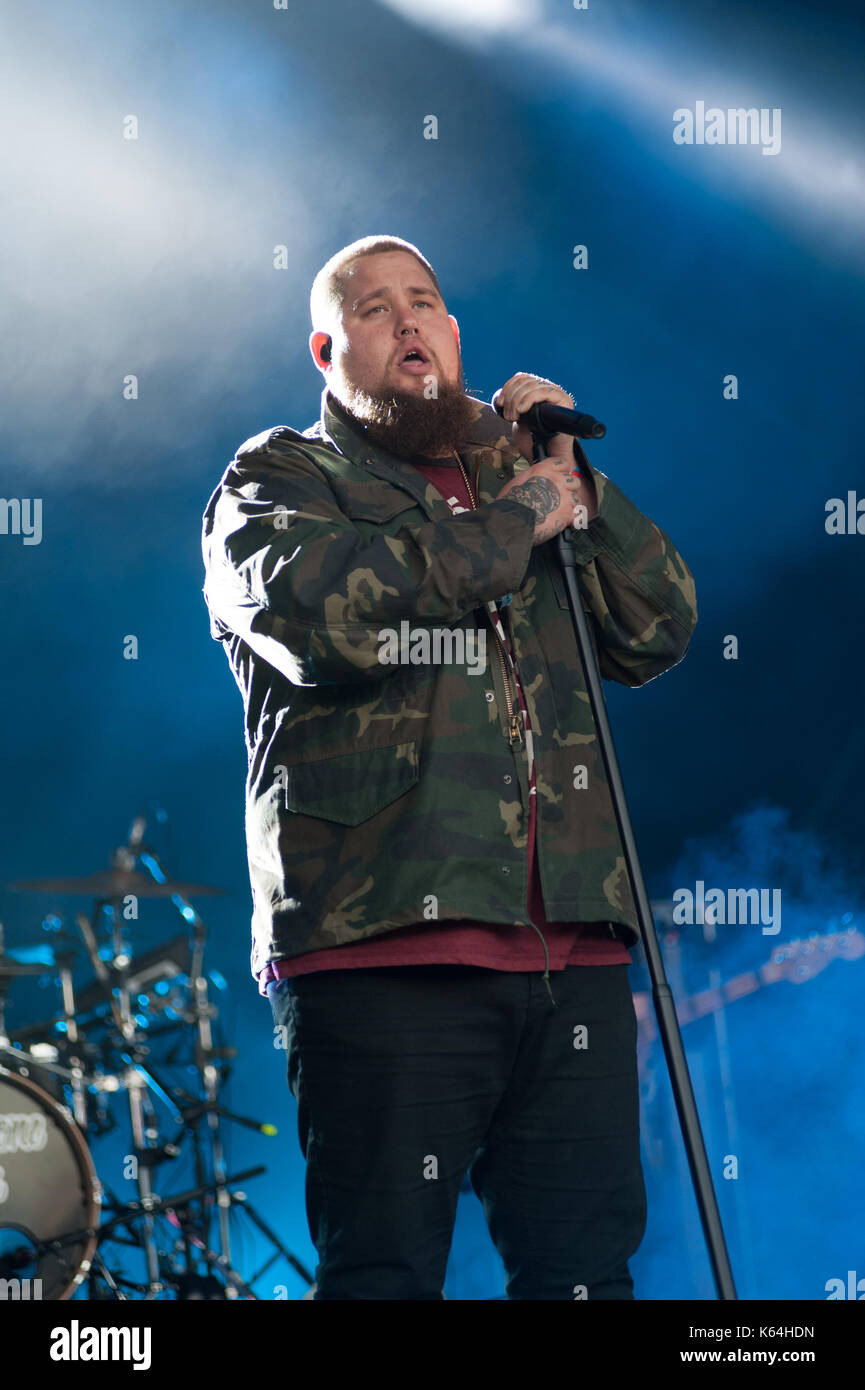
x=486, y=447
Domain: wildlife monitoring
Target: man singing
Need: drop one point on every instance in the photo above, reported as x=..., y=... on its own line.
x=441, y=911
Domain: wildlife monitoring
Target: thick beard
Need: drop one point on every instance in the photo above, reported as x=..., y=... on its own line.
x=404, y=423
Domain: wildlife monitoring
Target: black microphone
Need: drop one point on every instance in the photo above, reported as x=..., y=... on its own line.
x=557, y=419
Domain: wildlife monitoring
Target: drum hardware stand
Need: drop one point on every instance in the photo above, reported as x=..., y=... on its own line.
x=100, y=969
x=79, y=1100
x=234, y=1284
x=210, y=1077
x=4, y=1036
x=5, y=1040
x=133, y=1083
x=202, y=1014
x=241, y=1199
x=148, y=1209
x=194, y=1246
x=187, y=1119
x=135, y=1078
x=102, y=1268
x=665, y=1009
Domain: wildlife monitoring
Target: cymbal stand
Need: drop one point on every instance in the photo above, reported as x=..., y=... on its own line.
x=4, y=1036
x=76, y=1080
x=211, y=1077
x=203, y=1012
x=134, y=1083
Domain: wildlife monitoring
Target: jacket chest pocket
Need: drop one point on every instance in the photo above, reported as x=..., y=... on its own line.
x=380, y=509
x=351, y=788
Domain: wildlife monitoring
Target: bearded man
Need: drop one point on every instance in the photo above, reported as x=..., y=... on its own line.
x=432, y=843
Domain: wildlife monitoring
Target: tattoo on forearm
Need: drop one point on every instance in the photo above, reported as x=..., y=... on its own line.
x=539, y=494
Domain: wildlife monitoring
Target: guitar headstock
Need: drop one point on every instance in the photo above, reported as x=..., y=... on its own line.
x=801, y=960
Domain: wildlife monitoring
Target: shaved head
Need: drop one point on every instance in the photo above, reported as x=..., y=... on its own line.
x=331, y=285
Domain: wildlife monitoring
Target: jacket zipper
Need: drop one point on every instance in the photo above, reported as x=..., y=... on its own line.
x=513, y=719
x=515, y=733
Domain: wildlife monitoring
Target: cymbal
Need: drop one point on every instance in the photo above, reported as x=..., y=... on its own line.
x=112, y=884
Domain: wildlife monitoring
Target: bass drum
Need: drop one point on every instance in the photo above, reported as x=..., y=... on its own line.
x=48, y=1189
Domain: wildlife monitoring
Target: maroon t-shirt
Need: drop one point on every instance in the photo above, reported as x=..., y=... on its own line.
x=493, y=945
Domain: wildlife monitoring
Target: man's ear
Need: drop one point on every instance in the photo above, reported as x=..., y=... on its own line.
x=456, y=328
x=320, y=342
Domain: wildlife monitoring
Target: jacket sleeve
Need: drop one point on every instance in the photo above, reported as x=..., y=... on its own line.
x=290, y=572
x=636, y=587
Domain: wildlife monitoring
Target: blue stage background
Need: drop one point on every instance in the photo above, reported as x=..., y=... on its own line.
x=303, y=127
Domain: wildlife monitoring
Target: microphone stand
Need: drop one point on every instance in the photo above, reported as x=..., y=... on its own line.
x=665, y=1009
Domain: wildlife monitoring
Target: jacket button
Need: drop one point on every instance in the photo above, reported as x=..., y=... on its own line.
x=501, y=475
x=505, y=869
x=489, y=696
x=507, y=780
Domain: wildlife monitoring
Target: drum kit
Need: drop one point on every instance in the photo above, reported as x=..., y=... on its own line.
x=104, y=1063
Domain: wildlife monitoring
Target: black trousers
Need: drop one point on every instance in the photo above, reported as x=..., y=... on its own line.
x=408, y=1076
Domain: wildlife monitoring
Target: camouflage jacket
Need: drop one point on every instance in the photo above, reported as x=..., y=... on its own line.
x=381, y=795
